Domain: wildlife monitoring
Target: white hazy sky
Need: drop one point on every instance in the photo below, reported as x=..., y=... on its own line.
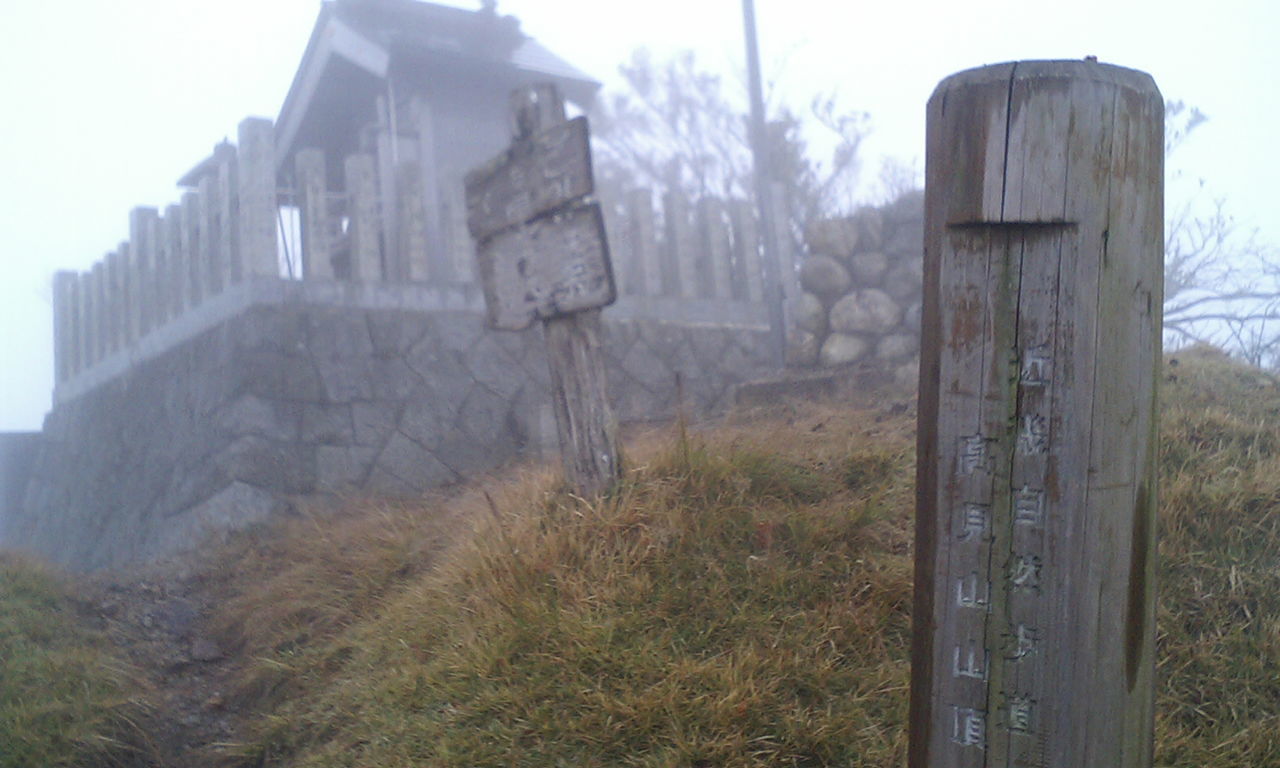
x=105, y=104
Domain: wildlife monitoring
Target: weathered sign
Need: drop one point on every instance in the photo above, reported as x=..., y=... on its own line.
x=542, y=251
x=537, y=175
x=1035, y=548
x=542, y=254
x=550, y=267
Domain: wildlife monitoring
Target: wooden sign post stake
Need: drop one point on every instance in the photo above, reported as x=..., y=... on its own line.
x=1035, y=533
x=543, y=255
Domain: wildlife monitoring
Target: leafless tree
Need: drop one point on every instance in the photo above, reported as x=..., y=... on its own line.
x=1222, y=281
x=673, y=127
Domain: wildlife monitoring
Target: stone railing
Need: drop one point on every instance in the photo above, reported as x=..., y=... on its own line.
x=223, y=232
x=192, y=266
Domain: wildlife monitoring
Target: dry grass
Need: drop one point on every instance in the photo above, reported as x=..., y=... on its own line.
x=65, y=700
x=1219, y=617
x=741, y=600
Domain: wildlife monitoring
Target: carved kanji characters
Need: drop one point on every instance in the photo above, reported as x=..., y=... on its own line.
x=1024, y=572
x=975, y=520
x=969, y=727
x=974, y=455
x=1036, y=367
x=1028, y=506
x=1033, y=439
x=967, y=595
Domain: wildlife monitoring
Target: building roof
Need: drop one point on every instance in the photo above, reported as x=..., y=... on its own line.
x=355, y=44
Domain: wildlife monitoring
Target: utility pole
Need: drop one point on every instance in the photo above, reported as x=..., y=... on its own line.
x=769, y=225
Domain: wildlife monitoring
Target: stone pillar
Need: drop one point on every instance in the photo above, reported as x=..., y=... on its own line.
x=412, y=223
x=218, y=229
x=174, y=291
x=392, y=259
x=64, y=325
x=89, y=332
x=100, y=319
x=313, y=208
x=714, y=250
x=439, y=267
x=680, y=278
x=257, y=213
x=643, y=275
x=192, y=245
x=143, y=270
x=116, y=305
x=362, y=212
x=461, y=247
x=748, y=271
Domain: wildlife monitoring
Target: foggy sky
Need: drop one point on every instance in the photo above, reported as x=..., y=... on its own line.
x=107, y=104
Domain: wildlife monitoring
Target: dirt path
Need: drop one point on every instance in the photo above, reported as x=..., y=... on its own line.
x=156, y=617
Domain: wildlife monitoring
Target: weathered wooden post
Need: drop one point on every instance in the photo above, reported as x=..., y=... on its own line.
x=1035, y=532
x=542, y=254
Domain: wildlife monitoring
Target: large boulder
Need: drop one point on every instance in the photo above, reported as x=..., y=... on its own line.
x=867, y=267
x=843, y=348
x=832, y=237
x=824, y=277
x=866, y=311
x=802, y=349
x=896, y=346
x=808, y=314
x=905, y=279
x=870, y=223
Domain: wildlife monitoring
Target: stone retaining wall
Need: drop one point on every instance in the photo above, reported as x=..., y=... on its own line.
x=298, y=397
x=862, y=290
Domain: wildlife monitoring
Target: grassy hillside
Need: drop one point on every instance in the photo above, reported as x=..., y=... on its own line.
x=742, y=600
x=65, y=700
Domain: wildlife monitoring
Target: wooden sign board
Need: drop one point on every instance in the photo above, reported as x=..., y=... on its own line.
x=535, y=176
x=542, y=253
x=550, y=267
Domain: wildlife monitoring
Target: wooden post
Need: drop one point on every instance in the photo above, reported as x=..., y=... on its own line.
x=579, y=388
x=1035, y=532
x=543, y=253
